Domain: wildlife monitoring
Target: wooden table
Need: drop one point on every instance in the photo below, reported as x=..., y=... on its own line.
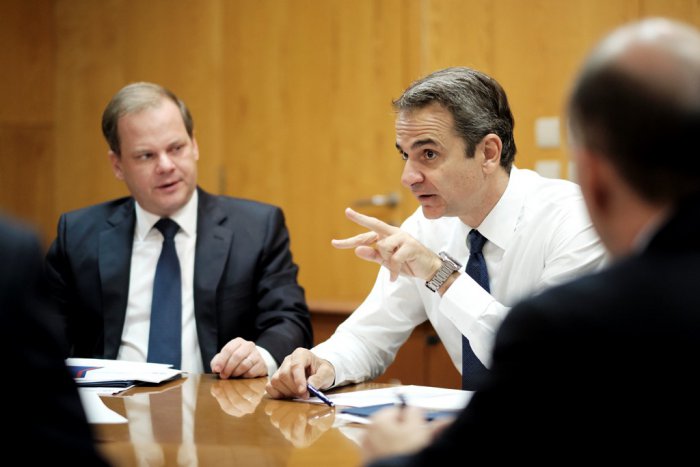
x=202, y=420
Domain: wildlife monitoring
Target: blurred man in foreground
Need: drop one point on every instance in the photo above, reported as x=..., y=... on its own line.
x=42, y=407
x=602, y=368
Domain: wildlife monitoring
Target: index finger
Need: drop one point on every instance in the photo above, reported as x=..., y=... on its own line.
x=300, y=362
x=290, y=378
x=372, y=223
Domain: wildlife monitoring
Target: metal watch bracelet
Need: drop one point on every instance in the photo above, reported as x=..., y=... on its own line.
x=449, y=265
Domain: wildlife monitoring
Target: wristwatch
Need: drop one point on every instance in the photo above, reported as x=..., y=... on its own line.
x=449, y=265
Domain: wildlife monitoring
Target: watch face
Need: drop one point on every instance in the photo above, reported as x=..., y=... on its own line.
x=447, y=258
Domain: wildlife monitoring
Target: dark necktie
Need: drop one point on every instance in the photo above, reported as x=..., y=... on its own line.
x=472, y=369
x=164, y=341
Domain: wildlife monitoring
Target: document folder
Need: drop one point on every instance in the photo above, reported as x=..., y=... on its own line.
x=93, y=372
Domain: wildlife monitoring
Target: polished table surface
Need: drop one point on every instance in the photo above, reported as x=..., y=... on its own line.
x=202, y=420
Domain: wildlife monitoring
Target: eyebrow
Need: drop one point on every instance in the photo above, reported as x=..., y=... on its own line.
x=419, y=143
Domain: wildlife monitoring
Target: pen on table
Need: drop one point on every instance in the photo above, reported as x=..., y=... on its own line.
x=319, y=394
x=402, y=403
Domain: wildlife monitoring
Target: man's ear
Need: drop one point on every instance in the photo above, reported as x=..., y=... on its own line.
x=491, y=148
x=594, y=177
x=116, y=163
x=195, y=148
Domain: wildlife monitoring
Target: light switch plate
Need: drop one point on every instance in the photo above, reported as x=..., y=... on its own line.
x=547, y=132
x=548, y=168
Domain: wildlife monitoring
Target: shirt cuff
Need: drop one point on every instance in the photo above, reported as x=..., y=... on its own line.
x=464, y=302
x=269, y=361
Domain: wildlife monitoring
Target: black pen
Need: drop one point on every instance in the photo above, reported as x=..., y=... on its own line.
x=402, y=400
x=402, y=404
x=319, y=394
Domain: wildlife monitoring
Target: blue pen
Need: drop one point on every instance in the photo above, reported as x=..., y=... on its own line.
x=319, y=394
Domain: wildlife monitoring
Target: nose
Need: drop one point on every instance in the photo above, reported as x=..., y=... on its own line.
x=410, y=175
x=165, y=164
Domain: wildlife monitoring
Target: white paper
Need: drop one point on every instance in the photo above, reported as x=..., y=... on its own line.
x=426, y=397
x=105, y=390
x=96, y=410
x=342, y=419
x=114, y=363
x=97, y=370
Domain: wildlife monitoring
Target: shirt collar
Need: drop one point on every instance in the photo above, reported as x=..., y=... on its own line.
x=501, y=223
x=650, y=229
x=186, y=218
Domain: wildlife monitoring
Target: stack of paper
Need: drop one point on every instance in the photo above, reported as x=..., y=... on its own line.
x=94, y=372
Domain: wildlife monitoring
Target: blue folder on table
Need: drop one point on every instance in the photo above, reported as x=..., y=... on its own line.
x=370, y=409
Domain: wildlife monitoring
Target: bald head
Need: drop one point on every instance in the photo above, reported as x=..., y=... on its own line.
x=637, y=103
x=663, y=54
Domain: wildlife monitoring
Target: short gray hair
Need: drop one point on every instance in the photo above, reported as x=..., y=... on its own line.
x=477, y=102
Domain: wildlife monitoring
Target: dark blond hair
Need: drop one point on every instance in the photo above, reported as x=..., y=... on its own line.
x=134, y=98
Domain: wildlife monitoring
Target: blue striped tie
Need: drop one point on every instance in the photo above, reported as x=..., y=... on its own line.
x=473, y=370
x=164, y=340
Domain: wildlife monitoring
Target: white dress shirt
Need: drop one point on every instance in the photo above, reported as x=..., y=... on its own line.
x=539, y=234
x=148, y=243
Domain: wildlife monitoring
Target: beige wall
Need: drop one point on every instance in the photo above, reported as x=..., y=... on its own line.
x=291, y=98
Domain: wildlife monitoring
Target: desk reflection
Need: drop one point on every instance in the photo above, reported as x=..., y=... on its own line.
x=302, y=424
x=163, y=416
x=203, y=421
x=241, y=398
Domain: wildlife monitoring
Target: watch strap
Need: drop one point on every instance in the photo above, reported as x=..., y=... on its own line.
x=449, y=265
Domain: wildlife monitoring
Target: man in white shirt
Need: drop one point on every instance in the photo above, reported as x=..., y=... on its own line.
x=454, y=129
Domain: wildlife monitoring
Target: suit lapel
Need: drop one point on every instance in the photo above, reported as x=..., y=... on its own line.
x=114, y=259
x=214, y=241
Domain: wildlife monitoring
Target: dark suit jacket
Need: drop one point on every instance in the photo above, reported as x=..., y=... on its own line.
x=41, y=407
x=602, y=367
x=244, y=277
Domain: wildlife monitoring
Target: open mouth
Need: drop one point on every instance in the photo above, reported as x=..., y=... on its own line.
x=166, y=186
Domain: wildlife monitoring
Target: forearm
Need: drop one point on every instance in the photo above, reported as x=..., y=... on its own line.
x=352, y=359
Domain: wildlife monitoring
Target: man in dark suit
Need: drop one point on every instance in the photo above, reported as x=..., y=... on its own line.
x=242, y=310
x=42, y=407
x=602, y=368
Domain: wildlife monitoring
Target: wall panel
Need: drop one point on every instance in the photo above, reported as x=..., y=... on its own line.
x=26, y=81
x=26, y=110
x=291, y=98
x=307, y=97
x=105, y=45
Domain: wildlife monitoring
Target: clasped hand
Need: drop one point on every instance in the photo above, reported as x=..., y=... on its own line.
x=239, y=358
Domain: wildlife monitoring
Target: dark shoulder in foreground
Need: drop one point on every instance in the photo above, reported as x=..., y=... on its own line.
x=45, y=412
